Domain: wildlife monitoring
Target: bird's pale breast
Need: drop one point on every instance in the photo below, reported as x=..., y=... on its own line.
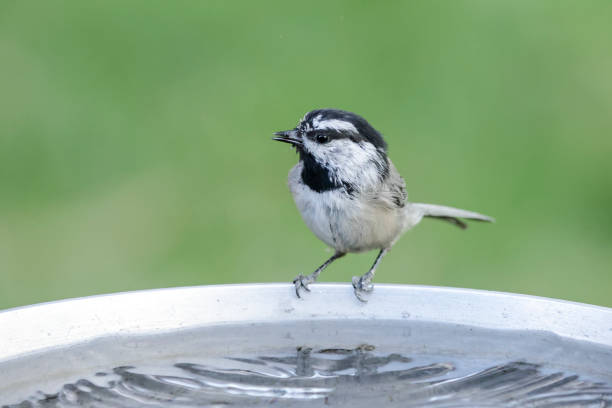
x=346, y=224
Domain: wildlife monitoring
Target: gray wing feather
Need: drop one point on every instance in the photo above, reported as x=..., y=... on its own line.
x=392, y=191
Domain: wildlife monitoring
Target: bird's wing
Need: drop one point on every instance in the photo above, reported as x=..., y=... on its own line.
x=391, y=193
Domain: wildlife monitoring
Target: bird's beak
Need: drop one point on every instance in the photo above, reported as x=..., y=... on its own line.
x=288, y=136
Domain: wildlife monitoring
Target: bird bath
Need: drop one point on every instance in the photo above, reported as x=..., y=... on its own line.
x=256, y=345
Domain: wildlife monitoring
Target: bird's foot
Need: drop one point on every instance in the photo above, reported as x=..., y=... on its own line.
x=302, y=282
x=362, y=287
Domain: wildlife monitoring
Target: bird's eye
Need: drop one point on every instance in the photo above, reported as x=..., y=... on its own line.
x=322, y=138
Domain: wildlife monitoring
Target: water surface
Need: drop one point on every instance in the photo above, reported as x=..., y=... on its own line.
x=319, y=364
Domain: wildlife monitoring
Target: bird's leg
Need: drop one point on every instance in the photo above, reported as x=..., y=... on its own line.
x=363, y=284
x=302, y=282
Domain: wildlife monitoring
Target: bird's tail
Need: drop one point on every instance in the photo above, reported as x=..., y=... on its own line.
x=450, y=214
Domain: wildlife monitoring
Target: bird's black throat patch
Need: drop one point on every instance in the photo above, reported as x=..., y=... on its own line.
x=318, y=177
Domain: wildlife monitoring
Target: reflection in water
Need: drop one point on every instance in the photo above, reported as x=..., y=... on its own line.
x=358, y=377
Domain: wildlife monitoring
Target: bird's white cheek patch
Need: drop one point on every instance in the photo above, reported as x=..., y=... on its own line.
x=347, y=161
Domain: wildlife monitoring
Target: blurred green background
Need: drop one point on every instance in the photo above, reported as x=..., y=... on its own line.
x=135, y=145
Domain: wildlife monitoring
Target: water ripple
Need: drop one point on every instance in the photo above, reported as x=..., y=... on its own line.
x=341, y=377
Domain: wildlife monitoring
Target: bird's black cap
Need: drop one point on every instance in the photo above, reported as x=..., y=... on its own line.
x=364, y=129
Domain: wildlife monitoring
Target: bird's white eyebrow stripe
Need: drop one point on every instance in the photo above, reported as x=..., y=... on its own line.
x=336, y=124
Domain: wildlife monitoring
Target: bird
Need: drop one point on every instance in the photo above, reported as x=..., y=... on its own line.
x=350, y=194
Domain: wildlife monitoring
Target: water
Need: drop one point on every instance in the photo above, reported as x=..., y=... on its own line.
x=318, y=364
x=329, y=377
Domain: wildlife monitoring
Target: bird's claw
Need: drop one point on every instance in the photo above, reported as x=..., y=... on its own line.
x=362, y=287
x=302, y=282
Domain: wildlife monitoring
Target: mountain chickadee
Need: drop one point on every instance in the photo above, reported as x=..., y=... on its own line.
x=350, y=194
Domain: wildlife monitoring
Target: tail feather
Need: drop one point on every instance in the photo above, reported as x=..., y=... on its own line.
x=449, y=214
